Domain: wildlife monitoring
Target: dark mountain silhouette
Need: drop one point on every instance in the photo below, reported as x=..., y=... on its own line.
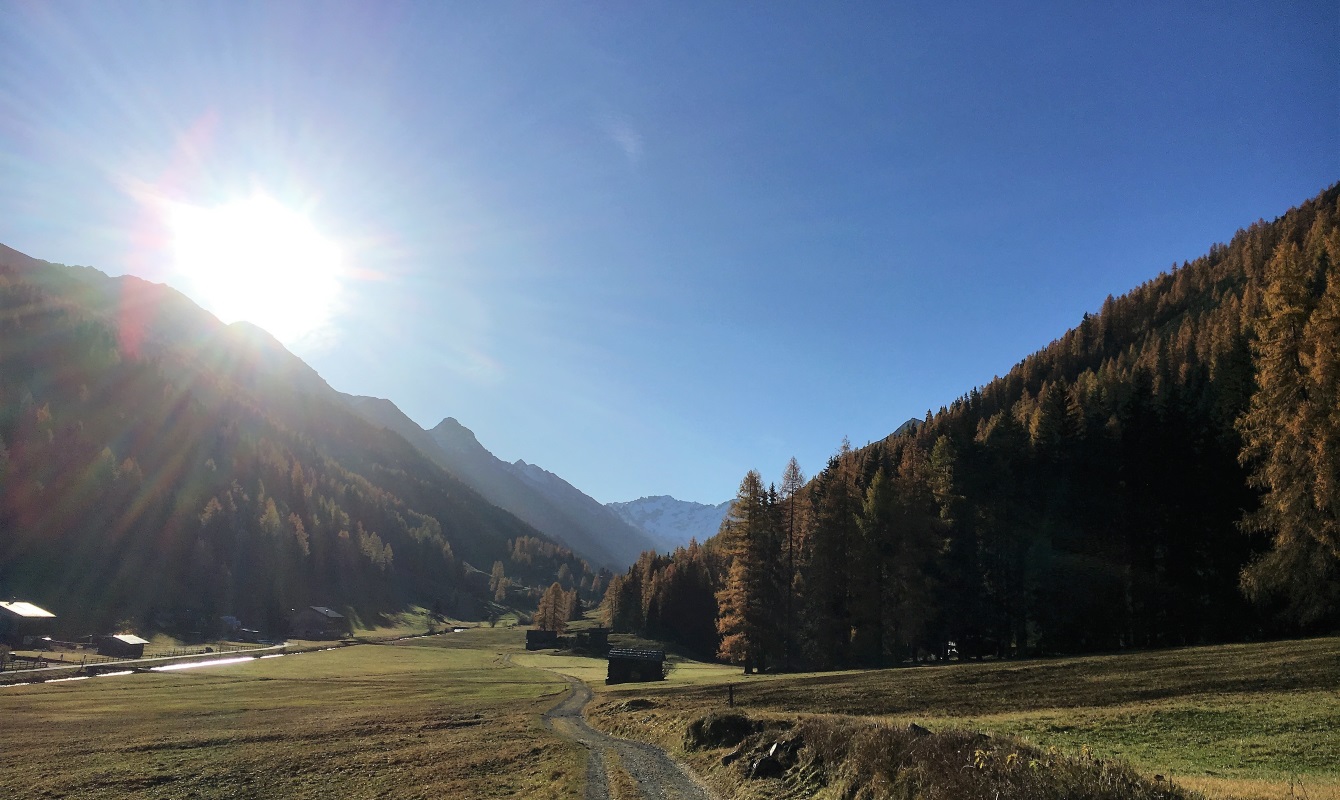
x=544, y=500
x=159, y=466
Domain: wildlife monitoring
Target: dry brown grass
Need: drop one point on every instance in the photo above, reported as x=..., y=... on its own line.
x=414, y=721
x=862, y=759
x=1239, y=721
x=622, y=785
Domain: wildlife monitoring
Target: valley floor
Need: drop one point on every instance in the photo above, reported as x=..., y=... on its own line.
x=462, y=715
x=1240, y=721
x=424, y=718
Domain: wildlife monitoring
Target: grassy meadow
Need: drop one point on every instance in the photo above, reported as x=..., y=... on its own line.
x=425, y=718
x=1241, y=721
x=459, y=715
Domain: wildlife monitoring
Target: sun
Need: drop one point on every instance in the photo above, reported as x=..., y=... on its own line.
x=256, y=260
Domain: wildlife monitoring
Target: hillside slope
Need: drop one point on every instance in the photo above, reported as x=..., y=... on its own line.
x=540, y=498
x=1162, y=474
x=545, y=501
x=157, y=464
x=598, y=523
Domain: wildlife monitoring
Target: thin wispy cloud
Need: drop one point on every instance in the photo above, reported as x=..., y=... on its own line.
x=626, y=138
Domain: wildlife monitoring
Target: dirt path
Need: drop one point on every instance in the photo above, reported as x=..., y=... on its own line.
x=659, y=777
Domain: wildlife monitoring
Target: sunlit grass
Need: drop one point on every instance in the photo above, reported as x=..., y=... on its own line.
x=365, y=721
x=1231, y=721
x=592, y=670
x=458, y=714
x=1263, y=737
x=413, y=621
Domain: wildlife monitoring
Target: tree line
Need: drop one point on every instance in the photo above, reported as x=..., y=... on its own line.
x=1165, y=473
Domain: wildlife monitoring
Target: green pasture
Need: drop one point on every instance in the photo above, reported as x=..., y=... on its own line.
x=458, y=714
x=404, y=720
x=593, y=671
x=1248, y=720
x=1232, y=744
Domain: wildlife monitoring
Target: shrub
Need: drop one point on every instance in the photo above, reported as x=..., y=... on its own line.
x=862, y=759
x=718, y=730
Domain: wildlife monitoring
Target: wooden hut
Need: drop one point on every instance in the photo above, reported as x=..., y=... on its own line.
x=594, y=640
x=627, y=665
x=122, y=645
x=21, y=623
x=317, y=622
x=539, y=640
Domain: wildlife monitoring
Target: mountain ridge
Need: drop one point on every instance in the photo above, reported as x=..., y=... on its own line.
x=141, y=436
x=671, y=522
x=546, y=502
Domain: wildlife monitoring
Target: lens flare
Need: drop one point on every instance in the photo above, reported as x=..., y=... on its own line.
x=256, y=260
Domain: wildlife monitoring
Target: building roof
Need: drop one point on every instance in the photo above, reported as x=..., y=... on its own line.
x=327, y=612
x=129, y=638
x=637, y=655
x=19, y=608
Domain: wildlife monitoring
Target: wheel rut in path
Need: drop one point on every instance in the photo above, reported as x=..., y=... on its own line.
x=658, y=776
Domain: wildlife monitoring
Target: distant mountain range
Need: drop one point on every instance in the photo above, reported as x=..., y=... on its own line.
x=670, y=522
x=541, y=498
x=140, y=436
x=612, y=535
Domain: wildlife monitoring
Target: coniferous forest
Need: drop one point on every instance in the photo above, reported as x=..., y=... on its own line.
x=1165, y=473
x=159, y=469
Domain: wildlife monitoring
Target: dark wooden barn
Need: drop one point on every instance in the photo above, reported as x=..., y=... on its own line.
x=539, y=640
x=627, y=665
x=596, y=640
x=317, y=622
x=122, y=645
x=22, y=623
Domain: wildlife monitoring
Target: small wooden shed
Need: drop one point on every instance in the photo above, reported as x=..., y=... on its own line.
x=21, y=623
x=593, y=639
x=122, y=645
x=539, y=640
x=627, y=665
x=317, y=622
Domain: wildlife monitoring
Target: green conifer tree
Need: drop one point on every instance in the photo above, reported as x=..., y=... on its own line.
x=793, y=480
x=827, y=564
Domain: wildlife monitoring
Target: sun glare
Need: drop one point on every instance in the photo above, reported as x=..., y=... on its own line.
x=256, y=260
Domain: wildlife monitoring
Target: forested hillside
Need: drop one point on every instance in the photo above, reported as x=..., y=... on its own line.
x=543, y=500
x=1164, y=473
x=159, y=467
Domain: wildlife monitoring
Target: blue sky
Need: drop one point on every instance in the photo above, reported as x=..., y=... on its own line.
x=651, y=246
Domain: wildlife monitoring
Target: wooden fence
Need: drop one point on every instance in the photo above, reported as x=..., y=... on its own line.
x=84, y=656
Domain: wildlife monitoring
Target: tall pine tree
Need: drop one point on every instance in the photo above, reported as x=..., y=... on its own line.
x=793, y=480
x=1290, y=435
x=748, y=622
x=829, y=548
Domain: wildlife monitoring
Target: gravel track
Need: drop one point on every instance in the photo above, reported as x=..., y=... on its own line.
x=659, y=777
